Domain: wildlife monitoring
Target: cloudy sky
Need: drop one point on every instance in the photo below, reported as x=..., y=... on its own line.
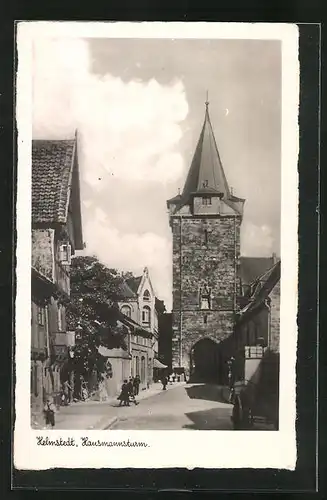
x=138, y=105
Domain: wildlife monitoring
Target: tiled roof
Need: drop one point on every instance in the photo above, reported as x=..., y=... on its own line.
x=134, y=283
x=206, y=174
x=253, y=267
x=52, y=165
x=125, y=292
x=160, y=305
x=262, y=287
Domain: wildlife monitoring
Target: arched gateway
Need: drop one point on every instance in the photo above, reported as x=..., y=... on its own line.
x=205, y=362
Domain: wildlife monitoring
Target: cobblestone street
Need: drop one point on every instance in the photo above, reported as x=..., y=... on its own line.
x=185, y=407
x=193, y=406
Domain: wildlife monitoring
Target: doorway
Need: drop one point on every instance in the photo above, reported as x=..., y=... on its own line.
x=205, y=362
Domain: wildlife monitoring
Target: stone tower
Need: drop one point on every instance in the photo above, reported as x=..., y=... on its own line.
x=205, y=220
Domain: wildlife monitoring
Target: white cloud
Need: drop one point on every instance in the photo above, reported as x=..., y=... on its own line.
x=127, y=130
x=256, y=241
x=130, y=251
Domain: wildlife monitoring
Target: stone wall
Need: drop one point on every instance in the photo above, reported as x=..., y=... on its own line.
x=37, y=393
x=43, y=252
x=205, y=252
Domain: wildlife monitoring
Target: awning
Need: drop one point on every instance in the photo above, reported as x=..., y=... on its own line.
x=157, y=364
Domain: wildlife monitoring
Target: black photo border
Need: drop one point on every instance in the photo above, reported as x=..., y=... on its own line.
x=305, y=478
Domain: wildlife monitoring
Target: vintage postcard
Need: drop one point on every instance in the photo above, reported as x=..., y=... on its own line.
x=157, y=245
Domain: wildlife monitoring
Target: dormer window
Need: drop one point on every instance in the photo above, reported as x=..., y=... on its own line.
x=205, y=184
x=146, y=296
x=206, y=200
x=126, y=310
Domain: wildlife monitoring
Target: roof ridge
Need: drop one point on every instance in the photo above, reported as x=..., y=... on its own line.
x=68, y=187
x=269, y=271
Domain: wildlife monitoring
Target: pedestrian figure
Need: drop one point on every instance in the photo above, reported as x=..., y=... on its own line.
x=49, y=412
x=164, y=382
x=136, y=384
x=231, y=378
x=131, y=392
x=124, y=394
x=66, y=399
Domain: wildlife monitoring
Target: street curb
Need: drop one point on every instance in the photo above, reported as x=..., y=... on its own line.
x=103, y=424
x=109, y=424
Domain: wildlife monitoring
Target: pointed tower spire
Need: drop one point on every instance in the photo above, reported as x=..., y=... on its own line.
x=206, y=176
x=206, y=169
x=207, y=101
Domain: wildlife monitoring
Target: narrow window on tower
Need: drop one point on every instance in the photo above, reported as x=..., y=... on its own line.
x=206, y=200
x=205, y=319
x=205, y=298
x=206, y=236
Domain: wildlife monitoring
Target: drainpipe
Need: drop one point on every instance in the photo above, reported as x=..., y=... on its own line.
x=235, y=266
x=180, y=291
x=267, y=304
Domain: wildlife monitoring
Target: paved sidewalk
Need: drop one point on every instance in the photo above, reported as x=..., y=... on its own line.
x=99, y=415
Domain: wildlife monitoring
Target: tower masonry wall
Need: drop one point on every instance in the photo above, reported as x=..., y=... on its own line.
x=205, y=252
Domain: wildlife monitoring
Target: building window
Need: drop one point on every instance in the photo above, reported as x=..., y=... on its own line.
x=206, y=236
x=146, y=315
x=205, y=298
x=205, y=319
x=59, y=317
x=206, y=200
x=127, y=311
x=41, y=315
x=65, y=252
x=34, y=381
x=146, y=296
x=143, y=369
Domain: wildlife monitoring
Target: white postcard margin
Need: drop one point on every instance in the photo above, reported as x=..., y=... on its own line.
x=186, y=449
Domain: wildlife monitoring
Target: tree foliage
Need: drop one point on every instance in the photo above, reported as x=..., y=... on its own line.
x=93, y=313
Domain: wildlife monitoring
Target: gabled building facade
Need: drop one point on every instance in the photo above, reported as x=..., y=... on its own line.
x=138, y=302
x=257, y=343
x=258, y=321
x=205, y=220
x=56, y=235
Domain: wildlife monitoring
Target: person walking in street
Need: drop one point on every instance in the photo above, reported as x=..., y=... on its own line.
x=124, y=394
x=66, y=390
x=131, y=392
x=164, y=382
x=49, y=413
x=230, y=364
x=136, y=384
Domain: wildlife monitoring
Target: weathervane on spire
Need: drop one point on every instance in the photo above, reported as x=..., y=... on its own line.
x=207, y=100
